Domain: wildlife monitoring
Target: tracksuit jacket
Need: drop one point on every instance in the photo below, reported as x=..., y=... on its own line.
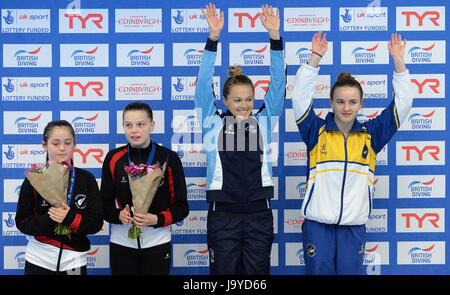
x=239, y=166
x=341, y=171
x=169, y=204
x=57, y=252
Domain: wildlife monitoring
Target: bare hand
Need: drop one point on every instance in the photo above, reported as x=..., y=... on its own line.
x=142, y=220
x=125, y=215
x=271, y=21
x=319, y=45
x=215, y=24
x=58, y=214
x=397, y=51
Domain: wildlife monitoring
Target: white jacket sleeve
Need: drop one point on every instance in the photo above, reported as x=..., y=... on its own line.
x=401, y=83
x=304, y=87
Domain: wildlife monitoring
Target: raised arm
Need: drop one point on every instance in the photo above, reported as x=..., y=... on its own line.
x=397, y=51
x=214, y=22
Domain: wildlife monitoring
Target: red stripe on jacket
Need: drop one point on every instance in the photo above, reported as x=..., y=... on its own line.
x=167, y=215
x=112, y=168
x=75, y=223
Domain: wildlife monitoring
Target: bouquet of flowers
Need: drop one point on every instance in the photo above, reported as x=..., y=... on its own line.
x=51, y=182
x=144, y=181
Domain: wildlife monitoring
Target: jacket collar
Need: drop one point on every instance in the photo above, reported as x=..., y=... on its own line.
x=331, y=125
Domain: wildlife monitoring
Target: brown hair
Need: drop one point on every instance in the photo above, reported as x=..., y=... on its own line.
x=345, y=79
x=49, y=128
x=138, y=106
x=236, y=78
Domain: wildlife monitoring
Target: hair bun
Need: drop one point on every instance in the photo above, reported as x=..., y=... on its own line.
x=344, y=76
x=235, y=70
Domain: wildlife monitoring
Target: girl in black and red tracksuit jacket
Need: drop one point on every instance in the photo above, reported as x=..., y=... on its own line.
x=46, y=252
x=149, y=254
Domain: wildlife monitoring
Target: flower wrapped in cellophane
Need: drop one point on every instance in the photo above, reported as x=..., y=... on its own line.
x=144, y=181
x=51, y=182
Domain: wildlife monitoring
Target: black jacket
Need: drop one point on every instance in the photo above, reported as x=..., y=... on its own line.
x=84, y=217
x=170, y=201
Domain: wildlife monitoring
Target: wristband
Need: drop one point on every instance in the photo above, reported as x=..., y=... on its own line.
x=317, y=54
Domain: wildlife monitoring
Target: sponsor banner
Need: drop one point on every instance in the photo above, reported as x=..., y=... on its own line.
x=366, y=114
x=83, y=89
x=25, y=122
x=378, y=221
x=26, y=21
x=421, y=186
x=250, y=54
x=307, y=19
x=425, y=52
x=294, y=254
x=295, y=187
x=196, y=188
x=292, y=221
x=428, y=85
x=14, y=257
x=140, y=55
x=423, y=253
x=9, y=224
x=158, y=118
x=11, y=190
x=190, y=54
x=27, y=55
x=90, y=155
x=84, y=55
x=295, y=154
x=359, y=19
x=245, y=20
x=87, y=122
x=420, y=152
x=189, y=21
x=191, y=155
x=83, y=21
x=185, y=121
x=381, y=187
x=424, y=119
x=138, y=20
x=138, y=88
x=419, y=220
x=376, y=253
x=420, y=18
x=183, y=88
x=382, y=157
x=299, y=53
x=190, y=255
x=22, y=155
x=364, y=52
x=374, y=86
x=193, y=224
x=98, y=256
x=26, y=88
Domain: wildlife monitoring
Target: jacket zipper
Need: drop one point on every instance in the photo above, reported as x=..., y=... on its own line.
x=343, y=179
x=59, y=257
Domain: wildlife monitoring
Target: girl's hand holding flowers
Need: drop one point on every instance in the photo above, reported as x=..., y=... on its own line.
x=58, y=214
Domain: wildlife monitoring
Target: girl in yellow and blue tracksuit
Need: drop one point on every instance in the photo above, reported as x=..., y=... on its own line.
x=341, y=167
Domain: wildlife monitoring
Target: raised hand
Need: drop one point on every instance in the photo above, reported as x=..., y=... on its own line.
x=271, y=21
x=318, y=48
x=397, y=51
x=214, y=22
x=319, y=43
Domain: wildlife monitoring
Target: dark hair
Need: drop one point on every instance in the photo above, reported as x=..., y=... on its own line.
x=49, y=128
x=57, y=123
x=236, y=78
x=138, y=106
x=345, y=79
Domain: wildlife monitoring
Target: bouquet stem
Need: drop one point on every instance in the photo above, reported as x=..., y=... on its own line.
x=134, y=232
x=62, y=230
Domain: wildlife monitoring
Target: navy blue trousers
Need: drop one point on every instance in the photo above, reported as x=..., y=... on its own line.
x=331, y=249
x=240, y=243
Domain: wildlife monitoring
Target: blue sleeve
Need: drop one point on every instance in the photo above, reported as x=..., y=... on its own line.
x=204, y=97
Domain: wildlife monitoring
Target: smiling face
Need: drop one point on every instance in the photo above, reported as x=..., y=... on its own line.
x=60, y=144
x=346, y=104
x=240, y=100
x=138, y=126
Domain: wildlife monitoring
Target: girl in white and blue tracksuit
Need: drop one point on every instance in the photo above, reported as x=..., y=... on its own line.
x=239, y=182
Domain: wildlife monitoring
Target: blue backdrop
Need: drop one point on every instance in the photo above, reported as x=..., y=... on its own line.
x=83, y=61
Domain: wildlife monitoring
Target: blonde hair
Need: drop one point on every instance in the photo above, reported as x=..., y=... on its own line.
x=236, y=78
